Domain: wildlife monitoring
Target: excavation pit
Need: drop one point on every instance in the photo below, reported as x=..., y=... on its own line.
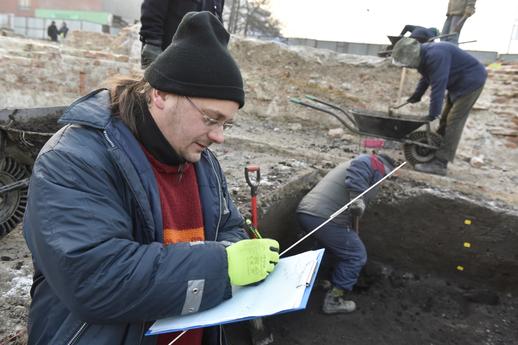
x=442, y=268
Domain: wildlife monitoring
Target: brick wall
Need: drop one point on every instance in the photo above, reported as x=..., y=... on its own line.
x=505, y=101
x=11, y=6
x=39, y=73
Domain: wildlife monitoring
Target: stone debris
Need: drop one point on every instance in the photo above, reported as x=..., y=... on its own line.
x=336, y=132
x=477, y=162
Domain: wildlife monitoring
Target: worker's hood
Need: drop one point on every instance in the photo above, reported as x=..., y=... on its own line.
x=407, y=52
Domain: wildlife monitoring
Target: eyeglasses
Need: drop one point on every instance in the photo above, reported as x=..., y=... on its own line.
x=210, y=122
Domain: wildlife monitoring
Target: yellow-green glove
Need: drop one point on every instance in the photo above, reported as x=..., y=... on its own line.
x=250, y=261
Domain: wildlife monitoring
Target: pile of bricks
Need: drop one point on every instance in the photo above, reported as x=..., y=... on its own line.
x=505, y=101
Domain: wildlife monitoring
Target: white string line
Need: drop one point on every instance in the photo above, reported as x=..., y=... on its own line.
x=342, y=209
x=178, y=337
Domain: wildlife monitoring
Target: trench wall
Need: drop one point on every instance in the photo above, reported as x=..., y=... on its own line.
x=417, y=228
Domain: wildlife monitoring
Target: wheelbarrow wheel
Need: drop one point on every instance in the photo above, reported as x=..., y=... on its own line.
x=416, y=154
x=13, y=202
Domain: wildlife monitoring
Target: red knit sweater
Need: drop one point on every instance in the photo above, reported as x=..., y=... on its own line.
x=182, y=221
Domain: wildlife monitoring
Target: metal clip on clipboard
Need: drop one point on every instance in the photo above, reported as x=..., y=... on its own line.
x=308, y=273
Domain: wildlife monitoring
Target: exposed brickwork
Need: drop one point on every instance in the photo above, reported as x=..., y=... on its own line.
x=51, y=74
x=88, y=40
x=505, y=102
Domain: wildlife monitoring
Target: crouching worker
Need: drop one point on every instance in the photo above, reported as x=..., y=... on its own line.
x=341, y=185
x=129, y=219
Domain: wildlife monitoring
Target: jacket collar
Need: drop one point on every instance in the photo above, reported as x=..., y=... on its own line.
x=95, y=114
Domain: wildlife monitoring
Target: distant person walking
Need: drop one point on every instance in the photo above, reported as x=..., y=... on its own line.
x=63, y=31
x=458, y=12
x=419, y=31
x=52, y=32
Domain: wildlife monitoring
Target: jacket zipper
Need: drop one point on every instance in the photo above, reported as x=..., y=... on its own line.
x=78, y=333
x=142, y=332
x=106, y=136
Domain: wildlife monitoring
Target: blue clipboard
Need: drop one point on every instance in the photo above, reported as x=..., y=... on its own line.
x=293, y=276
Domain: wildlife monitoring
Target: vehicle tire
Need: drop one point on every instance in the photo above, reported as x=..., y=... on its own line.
x=415, y=154
x=12, y=203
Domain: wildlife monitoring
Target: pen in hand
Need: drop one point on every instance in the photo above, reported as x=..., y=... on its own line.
x=253, y=229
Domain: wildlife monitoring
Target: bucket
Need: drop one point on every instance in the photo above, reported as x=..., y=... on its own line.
x=375, y=143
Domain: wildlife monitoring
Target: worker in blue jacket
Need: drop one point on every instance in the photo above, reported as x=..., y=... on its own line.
x=344, y=183
x=445, y=68
x=160, y=19
x=419, y=31
x=129, y=218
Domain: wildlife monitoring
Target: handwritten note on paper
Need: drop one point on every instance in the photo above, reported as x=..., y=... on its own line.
x=280, y=292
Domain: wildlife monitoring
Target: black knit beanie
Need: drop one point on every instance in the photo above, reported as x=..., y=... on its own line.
x=197, y=63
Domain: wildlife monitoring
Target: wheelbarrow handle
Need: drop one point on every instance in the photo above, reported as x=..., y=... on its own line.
x=333, y=106
x=442, y=36
x=253, y=186
x=339, y=118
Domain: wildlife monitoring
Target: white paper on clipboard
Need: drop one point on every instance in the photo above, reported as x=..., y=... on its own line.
x=281, y=292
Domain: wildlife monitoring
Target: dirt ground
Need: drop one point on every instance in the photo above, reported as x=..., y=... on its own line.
x=394, y=305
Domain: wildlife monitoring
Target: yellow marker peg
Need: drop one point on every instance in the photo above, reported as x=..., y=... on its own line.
x=467, y=245
x=460, y=268
x=467, y=222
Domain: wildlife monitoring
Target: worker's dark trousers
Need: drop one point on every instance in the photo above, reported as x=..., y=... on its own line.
x=343, y=243
x=453, y=119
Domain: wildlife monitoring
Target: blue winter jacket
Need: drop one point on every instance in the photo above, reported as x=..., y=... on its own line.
x=418, y=31
x=444, y=66
x=93, y=224
x=333, y=191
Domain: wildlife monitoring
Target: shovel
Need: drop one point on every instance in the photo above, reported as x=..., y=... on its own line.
x=260, y=332
x=356, y=225
x=253, y=187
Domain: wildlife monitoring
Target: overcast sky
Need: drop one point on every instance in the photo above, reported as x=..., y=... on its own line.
x=371, y=21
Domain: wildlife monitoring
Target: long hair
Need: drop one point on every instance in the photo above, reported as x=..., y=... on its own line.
x=128, y=95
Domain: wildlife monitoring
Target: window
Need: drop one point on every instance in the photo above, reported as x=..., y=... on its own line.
x=24, y=4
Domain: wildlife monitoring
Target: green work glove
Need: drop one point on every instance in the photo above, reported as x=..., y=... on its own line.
x=250, y=261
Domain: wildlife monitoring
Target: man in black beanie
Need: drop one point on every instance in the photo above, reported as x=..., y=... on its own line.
x=339, y=237
x=137, y=223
